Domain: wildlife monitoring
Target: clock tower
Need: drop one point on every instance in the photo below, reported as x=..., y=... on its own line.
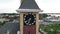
x=29, y=17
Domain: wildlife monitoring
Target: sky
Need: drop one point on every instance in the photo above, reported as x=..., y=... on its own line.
x=48, y=6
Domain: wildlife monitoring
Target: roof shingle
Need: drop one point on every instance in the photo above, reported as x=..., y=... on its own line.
x=29, y=4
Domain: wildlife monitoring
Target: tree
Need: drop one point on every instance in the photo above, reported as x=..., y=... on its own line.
x=52, y=29
x=1, y=23
x=41, y=16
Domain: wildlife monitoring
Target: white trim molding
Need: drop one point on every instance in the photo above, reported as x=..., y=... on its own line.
x=29, y=10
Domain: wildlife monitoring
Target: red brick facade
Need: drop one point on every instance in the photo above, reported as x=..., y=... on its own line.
x=29, y=29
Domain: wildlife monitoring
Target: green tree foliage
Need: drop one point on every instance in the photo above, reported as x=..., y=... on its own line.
x=41, y=16
x=52, y=29
x=1, y=23
x=10, y=14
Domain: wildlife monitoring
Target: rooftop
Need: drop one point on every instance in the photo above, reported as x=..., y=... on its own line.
x=29, y=4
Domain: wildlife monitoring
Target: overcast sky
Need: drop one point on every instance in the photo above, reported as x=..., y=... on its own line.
x=48, y=6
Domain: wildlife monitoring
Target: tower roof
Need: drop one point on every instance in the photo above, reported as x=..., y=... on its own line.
x=29, y=4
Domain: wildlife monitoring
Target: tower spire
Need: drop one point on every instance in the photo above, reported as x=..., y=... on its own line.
x=28, y=4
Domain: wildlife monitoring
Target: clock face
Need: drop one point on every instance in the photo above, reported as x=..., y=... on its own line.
x=29, y=19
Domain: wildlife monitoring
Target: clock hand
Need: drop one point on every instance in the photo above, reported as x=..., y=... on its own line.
x=29, y=19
